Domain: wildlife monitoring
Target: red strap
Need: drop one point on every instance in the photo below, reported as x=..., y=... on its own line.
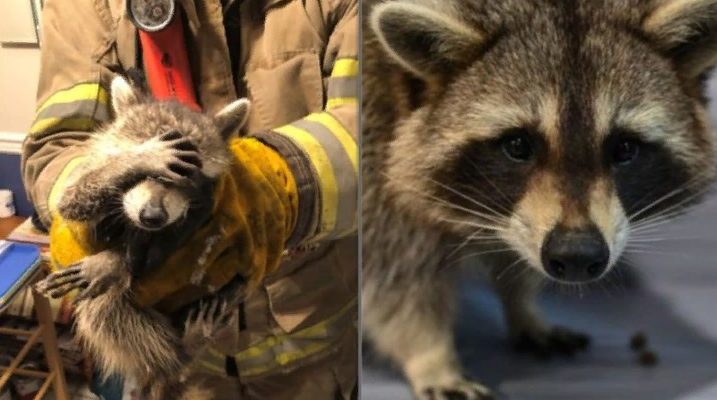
x=166, y=64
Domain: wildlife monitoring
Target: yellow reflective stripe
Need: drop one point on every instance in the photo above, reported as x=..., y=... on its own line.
x=322, y=165
x=283, y=359
x=339, y=101
x=345, y=67
x=67, y=124
x=258, y=349
x=213, y=367
x=59, y=185
x=82, y=91
x=319, y=329
x=343, y=135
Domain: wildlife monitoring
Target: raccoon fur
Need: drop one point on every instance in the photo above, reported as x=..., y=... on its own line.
x=542, y=136
x=142, y=189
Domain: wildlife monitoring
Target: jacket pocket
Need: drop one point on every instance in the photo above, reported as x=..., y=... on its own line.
x=317, y=289
x=286, y=91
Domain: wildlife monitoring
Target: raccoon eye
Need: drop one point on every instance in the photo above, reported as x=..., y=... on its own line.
x=625, y=151
x=517, y=146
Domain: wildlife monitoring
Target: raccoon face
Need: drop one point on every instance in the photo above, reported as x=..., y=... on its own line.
x=561, y=129
x=139, y=117
x=152, y=206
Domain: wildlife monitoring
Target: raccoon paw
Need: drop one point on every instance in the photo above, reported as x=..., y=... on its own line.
x=556, y=340
x=58, y=284
x=93, y=276
x=172, y=157
x=461, y=390
x=203, y=322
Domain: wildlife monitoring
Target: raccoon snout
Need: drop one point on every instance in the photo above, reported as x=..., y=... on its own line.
x=575, y=255
x=152, y=206
x=153, y=216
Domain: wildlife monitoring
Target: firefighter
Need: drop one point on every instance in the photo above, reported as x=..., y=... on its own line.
x=296, y=60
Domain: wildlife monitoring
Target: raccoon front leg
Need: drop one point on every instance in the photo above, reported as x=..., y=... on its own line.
x=518, y=290
x=412, y=323
x=170, y=157
x=93, y=275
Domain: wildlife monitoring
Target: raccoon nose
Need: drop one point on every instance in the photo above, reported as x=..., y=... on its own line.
x=575, y=255
x=153, y=216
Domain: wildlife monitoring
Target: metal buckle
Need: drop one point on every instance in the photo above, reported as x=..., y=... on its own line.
x=151, y=15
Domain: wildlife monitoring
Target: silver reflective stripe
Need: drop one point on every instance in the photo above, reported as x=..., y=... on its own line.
x=342, y=87
x=81, y=108
x=346, y=177
x=277, y=352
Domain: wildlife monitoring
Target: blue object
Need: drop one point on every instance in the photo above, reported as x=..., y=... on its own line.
x=18, y=263
x=107, y=389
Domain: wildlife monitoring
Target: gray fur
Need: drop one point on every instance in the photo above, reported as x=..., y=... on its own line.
x=178, y=154
x=445, y=80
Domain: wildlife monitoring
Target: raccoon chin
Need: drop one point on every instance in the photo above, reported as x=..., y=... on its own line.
x=152, y=206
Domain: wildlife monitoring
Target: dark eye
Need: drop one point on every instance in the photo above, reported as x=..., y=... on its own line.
x=625, y=151
x=517, y=146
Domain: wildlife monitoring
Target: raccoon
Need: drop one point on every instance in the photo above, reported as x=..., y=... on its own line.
x=142, y=189
x=542, y=135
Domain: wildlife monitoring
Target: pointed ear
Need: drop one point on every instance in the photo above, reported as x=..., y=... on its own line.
x=123, y=94
x=232, y=117
x=686, y=30
x=427, y=42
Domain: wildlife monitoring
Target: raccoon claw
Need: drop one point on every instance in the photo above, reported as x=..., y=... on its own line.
x=463, y=390
x=182, y=169
x=558, y=340
x=60, y=283
x=203, y=321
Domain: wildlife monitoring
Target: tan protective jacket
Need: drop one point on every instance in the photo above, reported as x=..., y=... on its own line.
x=297, y=62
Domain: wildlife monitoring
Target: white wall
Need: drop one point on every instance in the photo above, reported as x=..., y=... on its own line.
x=19, y=70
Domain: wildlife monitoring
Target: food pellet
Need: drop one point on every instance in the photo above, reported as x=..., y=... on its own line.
x=648, y=358
x=638, y=341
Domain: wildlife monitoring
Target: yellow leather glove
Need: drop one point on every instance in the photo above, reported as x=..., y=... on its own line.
x=254, y=213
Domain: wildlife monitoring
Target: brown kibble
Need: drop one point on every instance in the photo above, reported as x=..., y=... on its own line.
x=648, y=358
x=638, y=341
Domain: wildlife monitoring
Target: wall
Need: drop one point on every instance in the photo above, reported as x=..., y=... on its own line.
x=19, y=69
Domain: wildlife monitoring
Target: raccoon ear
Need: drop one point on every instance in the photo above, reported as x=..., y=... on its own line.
x=123, y=94
x=425, y=41
x=686, y=30
x=232, y=117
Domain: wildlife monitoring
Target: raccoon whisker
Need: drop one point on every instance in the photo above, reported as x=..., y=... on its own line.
x=695, y=180
x=472, y=224
x=508, y=268
x=648, y=240
x=472, y=238
x=498, y=218
x=667, y=214
x=481, y=253
x=494, y=186
x=469, y=198
x=518, y=275
x=670, y=239
x=652, y=251
x=653, y=224
x=495, y=218
x=668, y=196
x=480, y=215
x=471, y=190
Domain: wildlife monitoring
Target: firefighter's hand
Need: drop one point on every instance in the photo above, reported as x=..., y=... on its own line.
x=255, y=207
